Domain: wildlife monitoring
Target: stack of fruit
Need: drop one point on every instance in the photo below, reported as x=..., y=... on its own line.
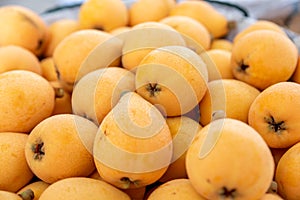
x=147, y=101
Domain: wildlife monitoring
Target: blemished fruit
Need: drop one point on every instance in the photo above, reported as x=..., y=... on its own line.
x=171, y=74
x=68, y=61
x=287, y=176
x=259, y=25
x=23, y=27
x=218, y=62
x=62, y=143
x=141, y=11
x=176, y=189
x=102, y=90
x=134, y=129
x=26, y=98
x=212, y=19
x=214, y=169
x=104, y=15
x=36, y=188
x=256, y=63
x=274, y=114
x=13, y=57
x=145, y=37
x=58, y=30
x=195, y=33
x=15, y=172
x=183, y=130
x=79, y=188
x=232, y=96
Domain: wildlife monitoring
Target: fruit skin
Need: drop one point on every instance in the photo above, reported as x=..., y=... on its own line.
x=9, y=195
x=274, y=114
x=93, y=14
x=22, y=27
x=78, y=188
x=58, y=30
x=223, y=44
x=218, y=62
x=189, y=78
x=141, y=11
x=26, y=60
x=37, y=187
x=133, y=145
x=216, y=173
x=195, y=33
x=270, y=196
x=232, y=96
x=26, y=98
x=259, y=25
x=263, y=57
x=287, y=173
x=183, y=130
x=64, y=143
x=102, y=90
x=296, y=75
x=68, y=61
x=212, y=19
x=175, y=189
x=15, y=172
x=145, y=37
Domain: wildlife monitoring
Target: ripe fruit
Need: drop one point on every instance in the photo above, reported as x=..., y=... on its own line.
x=58, y=30
x=287, y=174
x=14, y=57
x=62, y=143
x=296, y=75
x=183, y=131
x=172, y=74
x=133, y=146
x=23, y=27
x=15, y=172
x=176, y=189
x=26, y=98
x=263, y=57
x=195, y=33
x=36, y=188
x=68, y=61
x=218, y=62
x=102, y=90
x=78, y=188
x=9, y=195
x=212, y=19
x=228, y=159
x=48, y=69
x=259, y=25
x=232, y=96
x=103, y=15
x=145, y=37
x=62, y=100
x=141, y=11
x=274, y=114
x=269, y=196
x=224, y=44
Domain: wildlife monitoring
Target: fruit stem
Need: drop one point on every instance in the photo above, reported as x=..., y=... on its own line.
x=227, y=193
x=59, y=92
x=38, y=150
x=277, y=127
x=27, y=195
x=127, y=182
x=153, y=89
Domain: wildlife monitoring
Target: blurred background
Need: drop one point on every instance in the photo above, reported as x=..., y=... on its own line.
x=284, y=12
